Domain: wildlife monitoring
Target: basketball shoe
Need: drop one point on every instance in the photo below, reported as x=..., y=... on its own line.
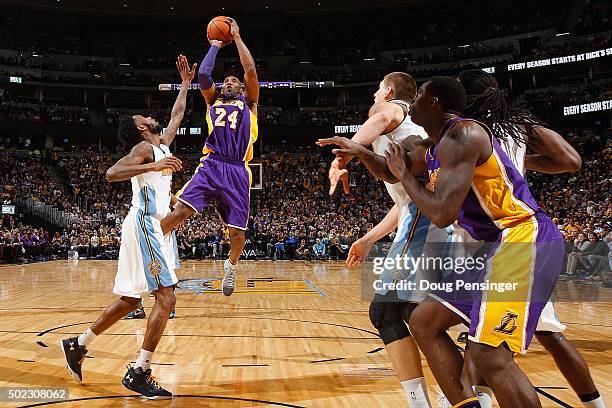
x=229, y=278
x=137, y=314
x=74, y=354
x=144, y=384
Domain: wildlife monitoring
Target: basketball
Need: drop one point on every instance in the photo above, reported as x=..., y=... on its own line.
x=219, y=29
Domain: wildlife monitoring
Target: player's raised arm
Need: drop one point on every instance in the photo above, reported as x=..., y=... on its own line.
x=178, y=110
x=207, y=85
x=552, y=153
x=383, y=118
x=413, y=150
x=251, y=82
x=138, y=161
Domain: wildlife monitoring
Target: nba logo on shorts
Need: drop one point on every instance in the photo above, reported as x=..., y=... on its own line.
x=154, y=267
x=507, y=324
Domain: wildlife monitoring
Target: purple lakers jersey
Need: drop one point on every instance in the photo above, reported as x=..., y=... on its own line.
x=499, y=197
x=232, y=129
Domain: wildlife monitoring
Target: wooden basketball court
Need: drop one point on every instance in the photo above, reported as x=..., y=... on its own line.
x=294, y=334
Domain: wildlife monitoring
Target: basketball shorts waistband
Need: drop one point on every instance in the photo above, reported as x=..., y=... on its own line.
x=214, y=156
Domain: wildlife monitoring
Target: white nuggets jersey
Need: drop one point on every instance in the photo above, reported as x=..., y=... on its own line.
x=151, y=191
x=405, y=129
x=147, y=258
x=516, y=151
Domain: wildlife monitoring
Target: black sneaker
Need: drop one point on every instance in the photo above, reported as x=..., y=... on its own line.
x=143, y=383
x=137, y=314
x=74, y=355
x=172, y=314
x=463, y=336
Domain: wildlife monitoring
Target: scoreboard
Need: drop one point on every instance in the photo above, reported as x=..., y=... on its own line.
x=268, y=85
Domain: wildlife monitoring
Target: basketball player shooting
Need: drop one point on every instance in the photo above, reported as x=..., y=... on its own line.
x=147, y=258
x=223, y=173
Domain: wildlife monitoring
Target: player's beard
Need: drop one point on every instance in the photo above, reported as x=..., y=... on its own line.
x=155, y=129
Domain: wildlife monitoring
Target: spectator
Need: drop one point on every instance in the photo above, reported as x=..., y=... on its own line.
x=319, y=250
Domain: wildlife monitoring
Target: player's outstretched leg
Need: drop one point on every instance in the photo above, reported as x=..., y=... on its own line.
x=176, y=217
x=75, y=348
x=139, y=378
x=569, y=361
x=573, y=367
x=237, y=238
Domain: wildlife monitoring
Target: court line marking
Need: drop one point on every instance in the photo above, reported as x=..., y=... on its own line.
x=552, y=397
x=280, y=404
x=328, y=360
x=314, y=287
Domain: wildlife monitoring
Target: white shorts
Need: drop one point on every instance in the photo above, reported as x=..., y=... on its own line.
x=147, y=259
x=548, y=320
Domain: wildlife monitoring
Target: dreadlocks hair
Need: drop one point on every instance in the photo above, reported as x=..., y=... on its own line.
x=487, y=104
x=450, y=93
x=128, y=134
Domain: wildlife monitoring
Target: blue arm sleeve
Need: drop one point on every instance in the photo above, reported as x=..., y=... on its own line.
x=206, y=68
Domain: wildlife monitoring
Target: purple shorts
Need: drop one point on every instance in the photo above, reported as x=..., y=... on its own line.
x=502, y=301
x=228, y=182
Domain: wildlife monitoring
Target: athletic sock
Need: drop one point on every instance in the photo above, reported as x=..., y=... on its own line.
x=468, y=403
x=144, y=360
x=416, y=391
x=86, y=338
x=596, y=403
x=593, y=400
x=484, y=395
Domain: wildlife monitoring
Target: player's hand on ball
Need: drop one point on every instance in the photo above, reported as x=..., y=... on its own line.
x=358, y=252
x=396, y=160
x=234, y=29
x=187, y=74
x=217, y=43
x=337, y=172
x=172, y=163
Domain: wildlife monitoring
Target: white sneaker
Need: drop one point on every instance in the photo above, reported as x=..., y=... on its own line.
x=229, y=278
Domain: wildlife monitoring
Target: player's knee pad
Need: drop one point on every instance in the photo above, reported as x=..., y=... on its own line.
x=387, y=319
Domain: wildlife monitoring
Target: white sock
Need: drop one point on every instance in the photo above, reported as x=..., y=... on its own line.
x=86, y=338
x=416, y=392
x=485, y=395
x=144, y=360
x=596, y=403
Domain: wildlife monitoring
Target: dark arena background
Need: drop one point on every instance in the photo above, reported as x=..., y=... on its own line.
x=297, y=330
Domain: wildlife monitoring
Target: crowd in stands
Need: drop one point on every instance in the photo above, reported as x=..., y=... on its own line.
x=581, y=204
x=292, y=217
x=19, y=243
